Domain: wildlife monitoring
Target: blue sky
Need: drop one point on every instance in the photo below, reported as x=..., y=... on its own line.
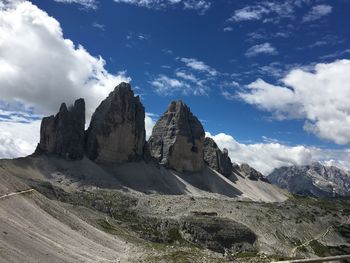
x=259, y=72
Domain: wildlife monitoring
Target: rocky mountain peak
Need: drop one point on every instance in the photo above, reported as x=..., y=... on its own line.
x=63, y=134
x=117, y=128
x=312, y=180
x=177, y=139
x=215, y=158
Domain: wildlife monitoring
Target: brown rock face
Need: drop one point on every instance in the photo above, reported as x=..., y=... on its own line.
x=63, y=134
x=217, y=159
x=177, y=139
x=117, y=129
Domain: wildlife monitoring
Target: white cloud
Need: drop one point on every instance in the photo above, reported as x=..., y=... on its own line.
x=199, y=66
x=267, y=156
x=201, y=5
x=41, y=68
x=149, y=124
x=186, y=85
x=267, y=11
x=187, y=76
x=198, y=5
x=265, y=48
x=99, y=26
x=192, y=79
x=321, y=96
x=18, y=139
x=279, y=100
x=165, y=86
x=317, y=12
x=337, y=54
x=249, y=13
x=88, y=4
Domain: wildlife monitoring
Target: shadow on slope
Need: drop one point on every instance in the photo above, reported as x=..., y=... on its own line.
x=210, y=181
x=53, y=169
x=149, y=178
x=139, y=176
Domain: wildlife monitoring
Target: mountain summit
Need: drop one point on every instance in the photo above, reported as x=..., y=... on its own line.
x=117, y=129
x=312, y=180
x=177, y=139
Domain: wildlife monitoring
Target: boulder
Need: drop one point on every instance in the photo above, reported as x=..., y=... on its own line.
x=217, y=159
x=63, y=134
x=117, y=130
x=177, y=139
x=218, y=234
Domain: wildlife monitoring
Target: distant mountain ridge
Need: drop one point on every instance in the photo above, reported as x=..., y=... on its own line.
x=312, y=180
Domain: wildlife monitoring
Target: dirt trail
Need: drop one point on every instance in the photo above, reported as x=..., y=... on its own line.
x=16, y=193
x=320, y=236
x=306, y=243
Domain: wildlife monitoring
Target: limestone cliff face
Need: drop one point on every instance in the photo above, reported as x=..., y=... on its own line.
x=63, y=134
x=217, y=159
x=117, y=129
x=177, y=139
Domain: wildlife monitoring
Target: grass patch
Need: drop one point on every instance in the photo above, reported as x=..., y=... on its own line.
x=246, y=255
x=319, y=249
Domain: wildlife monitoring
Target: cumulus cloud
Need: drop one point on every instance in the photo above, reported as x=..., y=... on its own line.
x=267, y=156
x=18, y=139
x=317, y=12
x=265, y=48
x=279, y=100
x=321, y=96
x=40, y=68
x=199, y=5
x=88, y=4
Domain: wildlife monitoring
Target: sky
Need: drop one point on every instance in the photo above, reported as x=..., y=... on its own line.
x=269, y=80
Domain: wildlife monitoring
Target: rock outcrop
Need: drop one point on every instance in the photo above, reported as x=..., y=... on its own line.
x=177, y=139
x=63, y=134
x=218, y=234
x=217, y=159
x=251, y=173
x=117, y=130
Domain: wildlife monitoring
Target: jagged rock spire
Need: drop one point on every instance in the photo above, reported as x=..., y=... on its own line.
x=117, y=130
x=217, y=159
x=63, y=134
x=177, y=139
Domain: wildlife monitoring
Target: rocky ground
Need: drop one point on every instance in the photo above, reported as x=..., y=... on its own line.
x=69, y=217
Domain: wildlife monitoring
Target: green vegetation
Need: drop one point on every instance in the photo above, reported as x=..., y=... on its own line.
x=246, y=255
x=319, y=249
